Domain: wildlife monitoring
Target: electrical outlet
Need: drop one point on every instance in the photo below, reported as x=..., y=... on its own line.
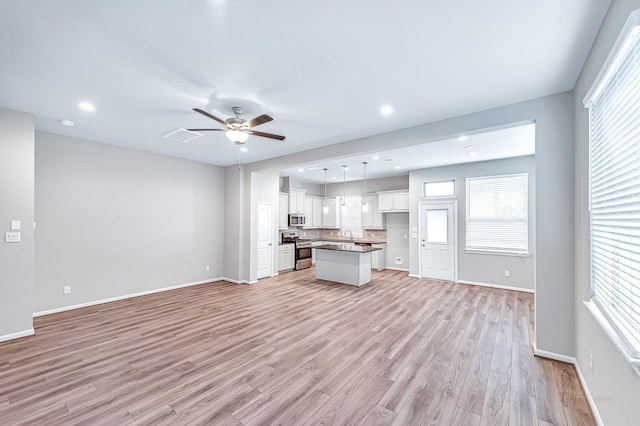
x=206, y=268
x=66, y=289
x=398, y=261
x=12, y=237
x=506, y=273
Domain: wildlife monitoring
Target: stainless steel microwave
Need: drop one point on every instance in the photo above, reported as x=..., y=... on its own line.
x=296, y=219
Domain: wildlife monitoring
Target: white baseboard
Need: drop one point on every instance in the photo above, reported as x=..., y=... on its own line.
x=126, y=296
x=553, y=355
x=592, y=403
x=23, y=333
x=240, y=281
x=414, y=276
x=574, y=361
x=502, y=287
x=397, y=269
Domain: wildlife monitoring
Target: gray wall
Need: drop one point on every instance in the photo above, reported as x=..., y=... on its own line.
x=475, y=267
x=397, y=225
x=113, y=221
x=16, y=203
x=373, y=185
x=234, y=217
x=613, y=383
x=553, y=116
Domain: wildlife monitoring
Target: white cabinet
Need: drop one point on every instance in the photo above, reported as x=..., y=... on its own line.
x=286, y=256
x=296, y=201
x=379, y=257
x=317, y=212
x=313, y=211
x=331, y=219
x=393, y=201
x=401, y=201
x=308, y=212
x=283, y=213
x=372, y=218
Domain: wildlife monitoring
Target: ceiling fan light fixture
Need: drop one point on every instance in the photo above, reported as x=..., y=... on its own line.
x=236, y=136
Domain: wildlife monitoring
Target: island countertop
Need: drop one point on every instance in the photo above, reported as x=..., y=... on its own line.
x=347, y=247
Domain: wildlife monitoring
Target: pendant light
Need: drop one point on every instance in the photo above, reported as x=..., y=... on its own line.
x=325, y=206
x=344, y=186
x=365, y=205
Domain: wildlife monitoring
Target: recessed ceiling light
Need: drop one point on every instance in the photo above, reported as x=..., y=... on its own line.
x=375, y=157
x=468, y=147
x=462, y=138
x=86, y=106
x=333, y=178
x=301, y=170
x=386, y=110
x=244, y=149
x=472, y=154
x=397, y=167
x=67, y=123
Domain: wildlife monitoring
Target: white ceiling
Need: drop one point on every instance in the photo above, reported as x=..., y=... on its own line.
x=323, y=70
x=491, y=145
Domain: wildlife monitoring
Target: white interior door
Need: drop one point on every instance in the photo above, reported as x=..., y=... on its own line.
x=438, y=241
x=265, y=240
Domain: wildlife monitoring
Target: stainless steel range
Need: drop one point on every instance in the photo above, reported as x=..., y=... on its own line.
x=303, y=249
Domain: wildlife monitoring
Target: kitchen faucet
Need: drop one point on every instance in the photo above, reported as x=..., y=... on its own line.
x=350, y=234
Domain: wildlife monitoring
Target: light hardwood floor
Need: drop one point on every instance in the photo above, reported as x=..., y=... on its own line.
x=292, y=350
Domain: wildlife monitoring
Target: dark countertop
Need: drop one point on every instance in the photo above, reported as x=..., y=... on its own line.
x=347, y=247
x=344, y=240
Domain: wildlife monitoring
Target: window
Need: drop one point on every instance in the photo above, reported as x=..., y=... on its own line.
x=498, y=214
x=352, y=216
x=614, y=202
x=445, y=188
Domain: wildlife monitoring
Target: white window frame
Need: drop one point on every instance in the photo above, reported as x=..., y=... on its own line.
x=495, y=250
x=431, y=197
x=601, y=306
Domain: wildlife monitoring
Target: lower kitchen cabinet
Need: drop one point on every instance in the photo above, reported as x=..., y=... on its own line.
x=286, y=256
x=379, y=257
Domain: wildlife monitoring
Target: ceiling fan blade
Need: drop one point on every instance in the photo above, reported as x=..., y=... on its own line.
x=266, y=135
x=264, y=118
x=207, y=130
x=213, y=117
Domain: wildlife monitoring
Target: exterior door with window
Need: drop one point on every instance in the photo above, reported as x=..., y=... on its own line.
x=437, y=241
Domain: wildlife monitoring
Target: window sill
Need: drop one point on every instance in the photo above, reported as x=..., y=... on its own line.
x=498, y=252
x=613, y=336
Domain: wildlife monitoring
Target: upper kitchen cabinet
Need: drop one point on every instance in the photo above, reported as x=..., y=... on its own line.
x=313, y=212
x=331, y=218
x=393, y=201
x=296, y=201
x=317, y=212
x=283, y=212
x=372, y=218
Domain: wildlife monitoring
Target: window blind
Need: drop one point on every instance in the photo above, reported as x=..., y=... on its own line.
x=498, y=213
x=614, y=126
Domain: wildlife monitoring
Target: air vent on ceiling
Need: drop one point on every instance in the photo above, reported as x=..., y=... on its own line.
x=388, y=160
x=182, y=135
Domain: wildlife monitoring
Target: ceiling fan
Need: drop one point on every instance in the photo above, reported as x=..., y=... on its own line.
x=238, y=129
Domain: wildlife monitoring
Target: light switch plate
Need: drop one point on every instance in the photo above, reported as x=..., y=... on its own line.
x=15, y=225
x=11, y=237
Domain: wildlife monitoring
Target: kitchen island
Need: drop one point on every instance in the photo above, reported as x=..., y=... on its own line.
x=344, y=263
